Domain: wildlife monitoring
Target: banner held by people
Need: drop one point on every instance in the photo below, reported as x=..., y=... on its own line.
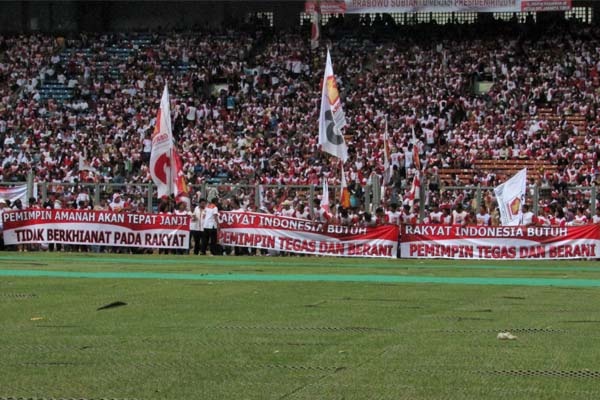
x=500, y=242
x=104, y=228
x=277, y=233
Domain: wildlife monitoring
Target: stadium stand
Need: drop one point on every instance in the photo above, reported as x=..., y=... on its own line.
x=245, y=107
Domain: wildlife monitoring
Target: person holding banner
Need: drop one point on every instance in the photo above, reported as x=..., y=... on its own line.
x=182, y=210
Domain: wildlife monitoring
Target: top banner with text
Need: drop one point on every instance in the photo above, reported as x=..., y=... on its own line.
x=271, y=232
x=420, y=6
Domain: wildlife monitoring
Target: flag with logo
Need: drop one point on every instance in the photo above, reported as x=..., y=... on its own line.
x=331, y=118
x=165, y=165
x=511, y=197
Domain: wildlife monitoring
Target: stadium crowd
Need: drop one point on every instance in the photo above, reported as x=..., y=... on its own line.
x=245, y=109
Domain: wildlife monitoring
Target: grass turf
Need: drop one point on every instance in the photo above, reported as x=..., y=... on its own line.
x=292, y=339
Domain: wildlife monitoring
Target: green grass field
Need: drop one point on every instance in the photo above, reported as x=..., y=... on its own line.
x=296, y=328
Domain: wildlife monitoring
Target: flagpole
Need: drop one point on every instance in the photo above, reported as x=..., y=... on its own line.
x=171, y=155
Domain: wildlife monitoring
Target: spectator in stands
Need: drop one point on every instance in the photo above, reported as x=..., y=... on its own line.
x=264, y=136
x=527, y=215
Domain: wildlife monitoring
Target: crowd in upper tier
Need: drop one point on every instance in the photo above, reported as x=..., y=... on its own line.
x=245, y=106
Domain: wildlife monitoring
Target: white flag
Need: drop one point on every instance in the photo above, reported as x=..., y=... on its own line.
x=332, y=119
x=325, y=197
x=161, y=168
x=511, y=197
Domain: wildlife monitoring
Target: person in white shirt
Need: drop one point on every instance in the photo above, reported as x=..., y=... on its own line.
x=435, y=216
x=580, y=218
x=116, y=204
x=182, y=209
x=301, y=211
x=287, y=210
x=393, y=214
x=197, y=225
x=459, y=216
x=320, y=213
x=483, y=217
x=211, y=223
x=527, y=216
x=596, y=217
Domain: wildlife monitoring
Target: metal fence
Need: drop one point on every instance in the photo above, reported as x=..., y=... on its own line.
x=365, y=198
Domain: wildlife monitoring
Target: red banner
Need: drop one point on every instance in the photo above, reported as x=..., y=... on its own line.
x=500, y=242
x=102, y=228
x=265, y=231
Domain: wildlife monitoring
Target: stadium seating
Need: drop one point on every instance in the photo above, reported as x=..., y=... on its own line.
x=245, y=108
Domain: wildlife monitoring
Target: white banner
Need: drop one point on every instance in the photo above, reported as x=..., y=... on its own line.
x=271, y=232
x=500, y=242
x=102, y=228
x=511, y=197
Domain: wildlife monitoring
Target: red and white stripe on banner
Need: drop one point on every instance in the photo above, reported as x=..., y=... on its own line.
x=265, y=231
x=500, y=243
x=102, y=228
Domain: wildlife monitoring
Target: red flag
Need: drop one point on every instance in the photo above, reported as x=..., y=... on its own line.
x=415, y=189
x=345, y=196
x=180, y=188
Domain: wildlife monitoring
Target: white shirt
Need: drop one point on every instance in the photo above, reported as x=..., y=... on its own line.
x=211, y=212
x=528, y=218
x=197, y=220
